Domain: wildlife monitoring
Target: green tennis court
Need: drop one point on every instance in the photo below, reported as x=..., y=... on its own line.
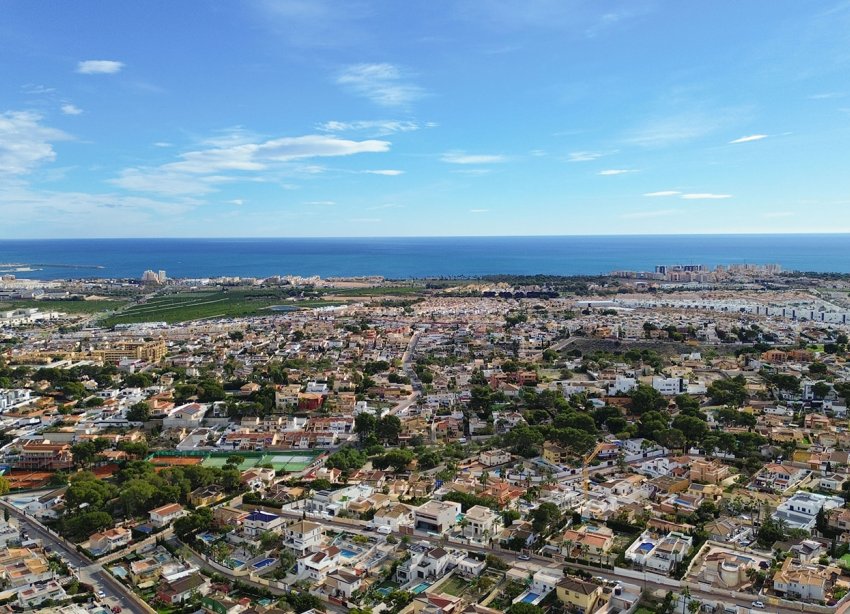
x=288, y=462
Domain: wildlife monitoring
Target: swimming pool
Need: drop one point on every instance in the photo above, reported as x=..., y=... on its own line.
x=646, y=547
x=349, y=554
x=530, y=597
x=263, y=563
x=420, y=588
x=235, y=563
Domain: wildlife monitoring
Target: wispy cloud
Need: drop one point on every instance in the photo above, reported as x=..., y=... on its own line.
x=70, y=109
x=585, y=156
x=705, y=196
x=749, y=139
x=234, y=157
x=475, y=172
x=385, y=206
x=384, y=84
x=616, y=171
x=389, y=172
x=663, y=193
x=25, y=143
x=459, y=157
x=376, y=127
x=365, y=220
x=36, y=89
x=99, y=67
x=237, y=202
x=320, y=203
x=681, y=127
x=827, y=96
x=778, y=214
x=640, y=215
x=479, y=210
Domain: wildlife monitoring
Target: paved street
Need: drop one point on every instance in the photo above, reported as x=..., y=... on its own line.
x=89, y=572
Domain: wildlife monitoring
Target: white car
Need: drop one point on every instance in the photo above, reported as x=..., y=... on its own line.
x=758, y=604
x=384, y=530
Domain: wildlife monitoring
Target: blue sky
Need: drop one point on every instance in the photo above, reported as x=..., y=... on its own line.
x=475, y=117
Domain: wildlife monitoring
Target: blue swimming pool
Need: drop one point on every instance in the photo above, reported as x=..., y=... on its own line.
x=530, y=597
x=646, y=547
x=263, y=563
x=235, y=563
x=420, y=588
x=349, y=554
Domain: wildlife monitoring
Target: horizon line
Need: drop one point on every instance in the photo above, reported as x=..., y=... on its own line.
x=519, y=236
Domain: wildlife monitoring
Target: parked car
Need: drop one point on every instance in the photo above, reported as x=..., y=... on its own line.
x=758, y=604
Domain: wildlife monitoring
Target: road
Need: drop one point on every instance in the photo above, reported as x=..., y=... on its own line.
x=535, y=560
x=88, y=571
x=407, y=367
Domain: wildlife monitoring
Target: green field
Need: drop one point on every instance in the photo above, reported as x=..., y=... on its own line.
x=186, y=306
x=377, y=291
x=72, y=307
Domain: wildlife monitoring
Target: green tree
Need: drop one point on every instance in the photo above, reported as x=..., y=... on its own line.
x=388, y=428
x=729, y=391
x=139, y=412
x=545, y=518
x=646, y=398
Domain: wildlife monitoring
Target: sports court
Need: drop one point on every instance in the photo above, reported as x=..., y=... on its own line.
x=291, y=461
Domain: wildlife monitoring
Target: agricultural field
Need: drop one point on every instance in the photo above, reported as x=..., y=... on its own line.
x=187, y=306
x=70, y=307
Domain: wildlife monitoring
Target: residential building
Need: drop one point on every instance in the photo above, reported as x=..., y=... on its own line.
x=436, y=516
x=165, y=515
x=482, y=524
x=302, y=537
x=578, y=593
x=258, y=522
x=183, y=589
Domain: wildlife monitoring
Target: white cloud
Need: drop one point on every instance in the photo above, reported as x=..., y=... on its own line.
x=479, y=210
x=678, y=128
x=237, y=201
x=584, y=156
x=663, y=193
x=163, y=144
x=616, y=171
x=69, y=109
x=25, y=143
x=235, y=157
x=386, y=206
x=827, y=96
x=641, y=215
x=475, y=172
x=749, y=139
x=389, y=172
x=459, y=157
x=705, y=196
x=377, y=127
x=320, y=203
x=384, y=84
x=99, y=67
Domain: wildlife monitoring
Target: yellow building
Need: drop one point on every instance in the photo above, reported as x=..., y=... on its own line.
x=555, y=454
x=580, y=594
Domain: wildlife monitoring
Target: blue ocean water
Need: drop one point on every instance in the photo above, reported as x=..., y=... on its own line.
x=416, y=257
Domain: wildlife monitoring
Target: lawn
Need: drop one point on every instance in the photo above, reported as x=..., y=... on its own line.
x=845, y=560
x=186, y=306
x=455, y=586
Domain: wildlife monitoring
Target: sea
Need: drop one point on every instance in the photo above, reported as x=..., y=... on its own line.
x=413, y=257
